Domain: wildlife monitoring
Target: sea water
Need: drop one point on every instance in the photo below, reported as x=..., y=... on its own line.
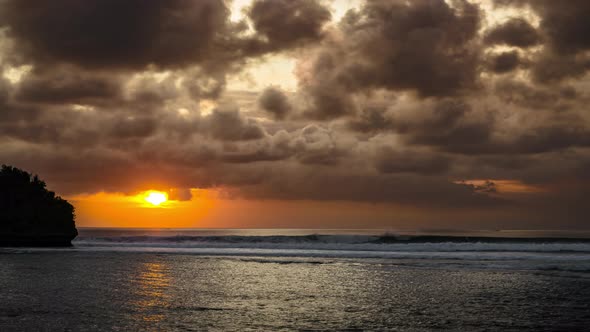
x=166, y=280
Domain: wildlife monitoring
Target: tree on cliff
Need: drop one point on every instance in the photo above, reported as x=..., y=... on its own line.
x=30, y=214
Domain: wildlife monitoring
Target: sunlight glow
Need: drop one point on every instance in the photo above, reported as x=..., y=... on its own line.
x=156, y=197
x=105, y=209
x=503, y=186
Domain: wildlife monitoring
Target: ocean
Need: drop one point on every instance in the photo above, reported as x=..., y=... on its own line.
x=298, y=279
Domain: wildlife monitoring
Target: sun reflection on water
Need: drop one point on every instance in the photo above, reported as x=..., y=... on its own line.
x=152, y=298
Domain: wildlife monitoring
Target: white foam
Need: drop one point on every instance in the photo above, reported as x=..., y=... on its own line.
x=329, y=242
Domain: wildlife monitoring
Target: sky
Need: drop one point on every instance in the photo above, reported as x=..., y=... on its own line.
x=424, y=114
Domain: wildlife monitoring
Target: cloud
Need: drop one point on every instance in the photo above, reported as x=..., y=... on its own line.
x=274, y=101
x=524, y=94
x=563, y=24
x=392, y=161
x=449, y=125
x=67, y=87
x=114, y=34
x=554, y=68
x=133, y=127
x=505, y=62
x=180, y=194
x=488, y=187
x=287, y=23
x=551, y=137
x=124, y=37
x=423, y=46
x=514, y=32
x=395, y=103
x=316, y=145
x=330, y=185
x=228, y=125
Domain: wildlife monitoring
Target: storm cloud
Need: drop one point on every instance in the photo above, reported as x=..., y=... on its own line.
x=394, y=102
x=515, y=32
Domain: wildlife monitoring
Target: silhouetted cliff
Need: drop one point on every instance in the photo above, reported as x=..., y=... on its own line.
x=31, y=215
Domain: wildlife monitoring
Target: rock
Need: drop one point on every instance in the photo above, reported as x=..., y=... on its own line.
x=31, y=215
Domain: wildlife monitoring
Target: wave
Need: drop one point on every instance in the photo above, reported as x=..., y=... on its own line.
x=384, y=243
x=542, y=255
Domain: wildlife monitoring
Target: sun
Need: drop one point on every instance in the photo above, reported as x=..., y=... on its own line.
x=156, y=198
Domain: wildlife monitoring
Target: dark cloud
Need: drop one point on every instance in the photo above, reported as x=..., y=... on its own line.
x=515, y=32
x=565, y=23
x=328, y=102
x=287, y=23
x=423, y=46
x=229, y=125
x=396, y=103
x=371, y=120
x=67, y=87
x=564, y=26
x=553, y=68
x=118, y=34
x=316, y=145
x=5, y=90
x=528, y=140
x=133, y=127
x=274, y=101
x=524, y=94
x=391, y=161
x=450, y=125
x=113, y=36
x=405, y=189
x=504, y=62
x=547, y=138
x=271, y=148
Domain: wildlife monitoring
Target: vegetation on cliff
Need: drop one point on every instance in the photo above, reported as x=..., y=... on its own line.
x=30, y=214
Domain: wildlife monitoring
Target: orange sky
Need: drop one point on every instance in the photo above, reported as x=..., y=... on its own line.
x=210, y=209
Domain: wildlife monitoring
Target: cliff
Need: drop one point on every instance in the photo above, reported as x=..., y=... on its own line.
x=31, y=215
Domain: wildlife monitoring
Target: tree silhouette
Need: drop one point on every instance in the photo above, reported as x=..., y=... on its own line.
x=30, y=214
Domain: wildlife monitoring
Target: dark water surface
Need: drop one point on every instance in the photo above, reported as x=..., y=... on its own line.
x=93, y=290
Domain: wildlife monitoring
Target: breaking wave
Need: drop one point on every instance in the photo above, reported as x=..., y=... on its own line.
x=542, y=255
x=363, y=243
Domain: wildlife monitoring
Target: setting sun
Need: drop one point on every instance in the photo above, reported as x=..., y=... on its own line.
x=156, y=198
